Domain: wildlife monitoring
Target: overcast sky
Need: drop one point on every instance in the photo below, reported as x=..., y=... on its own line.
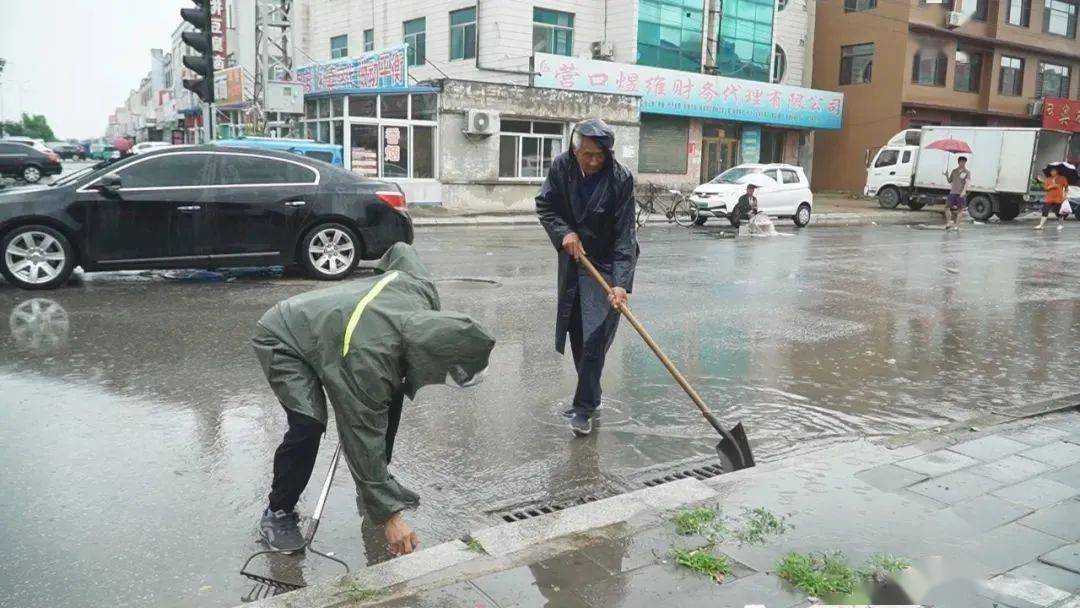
x=75, y=61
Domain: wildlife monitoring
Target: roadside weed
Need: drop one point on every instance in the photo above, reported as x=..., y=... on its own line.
x=704, y=562
x=358, y=593
x=760, y=525
x=474, y=545
x=702, y=520
x=881, y=564
x=818, y=573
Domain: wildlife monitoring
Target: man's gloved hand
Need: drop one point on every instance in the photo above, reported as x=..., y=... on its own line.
x=571, y=244
x=400, y=536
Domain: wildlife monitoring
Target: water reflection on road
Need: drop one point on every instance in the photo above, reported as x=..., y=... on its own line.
x=136, y=431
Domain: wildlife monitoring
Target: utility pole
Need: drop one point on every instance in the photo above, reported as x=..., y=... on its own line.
x=273, y=57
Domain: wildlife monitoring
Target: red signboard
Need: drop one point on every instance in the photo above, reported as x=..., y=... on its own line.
x=1061, y=114
x=217, y=32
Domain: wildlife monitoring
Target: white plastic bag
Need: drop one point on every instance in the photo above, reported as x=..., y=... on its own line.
x=1066, y=208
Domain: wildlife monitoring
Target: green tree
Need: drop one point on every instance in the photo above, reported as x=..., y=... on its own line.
x=35, y=126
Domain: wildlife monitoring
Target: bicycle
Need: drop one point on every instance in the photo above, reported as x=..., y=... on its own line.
x=674, y=205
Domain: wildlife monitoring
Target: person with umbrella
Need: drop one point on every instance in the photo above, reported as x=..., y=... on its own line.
x=1056, y=182
x=959, y=179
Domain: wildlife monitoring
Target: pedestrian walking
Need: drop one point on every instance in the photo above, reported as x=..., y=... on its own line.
x=586, y=205
x=1056, y=185
x=367, y=345
x=959, y=180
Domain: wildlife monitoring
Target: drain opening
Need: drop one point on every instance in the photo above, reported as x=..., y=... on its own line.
x=699, y=473
x=523, y=512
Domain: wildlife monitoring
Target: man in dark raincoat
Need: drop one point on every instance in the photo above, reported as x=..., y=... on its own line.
x=366, y=345
x=586, y=205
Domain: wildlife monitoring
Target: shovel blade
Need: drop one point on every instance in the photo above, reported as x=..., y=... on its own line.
x=735, y=452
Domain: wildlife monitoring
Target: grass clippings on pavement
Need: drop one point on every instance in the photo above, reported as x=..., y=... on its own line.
x=761, y=524
x=703, y=561
x=818, y=573
x=474, y=545
x=358, y=593
x=880, y=565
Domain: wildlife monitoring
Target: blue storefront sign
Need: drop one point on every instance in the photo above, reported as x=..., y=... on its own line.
x=378, y=71
x=678, y=93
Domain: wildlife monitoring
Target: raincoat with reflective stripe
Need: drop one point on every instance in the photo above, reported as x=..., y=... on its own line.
x=367, y=344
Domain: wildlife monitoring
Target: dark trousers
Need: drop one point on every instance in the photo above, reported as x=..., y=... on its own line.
x=590, y=365
x=294, y=459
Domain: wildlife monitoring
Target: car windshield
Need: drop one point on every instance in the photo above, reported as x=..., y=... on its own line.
x=734, y=175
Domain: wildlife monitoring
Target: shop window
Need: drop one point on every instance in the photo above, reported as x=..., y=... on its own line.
x=929, y=66
x=324, y=107
x=856, y=63
x=363, y=106
x=394, y=106
x=662, y=145
x=779, y=63
x=1011, y=78
x=416, y=38
x=369, y=40
x=463, y=34
x=772, y=146
x=1052, y=80
x=364, y=155
x=968, y=75
x=336, y=104
x=527, y=148
x=339, y=46
x=745, y=44
x=670, y=34
x=423, y=152
x=395, y=151
x=1019, y=13
x=423, y=106
x=553, y=32
x=1059, y=17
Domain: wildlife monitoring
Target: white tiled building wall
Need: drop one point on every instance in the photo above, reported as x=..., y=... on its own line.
x=790, y=32
x=505, y=30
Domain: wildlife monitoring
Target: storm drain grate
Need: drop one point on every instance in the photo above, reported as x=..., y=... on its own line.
x=699, y=473
x=536, y=510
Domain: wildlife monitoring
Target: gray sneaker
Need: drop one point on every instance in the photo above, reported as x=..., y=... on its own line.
x=281, y=530
x=581, y=425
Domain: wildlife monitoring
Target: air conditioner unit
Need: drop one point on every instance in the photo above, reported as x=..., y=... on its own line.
x=482, y=122
x=1035, y=108
x=954, y=19
x=602, y=49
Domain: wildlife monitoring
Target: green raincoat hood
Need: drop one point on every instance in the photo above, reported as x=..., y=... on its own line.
x=435, y=341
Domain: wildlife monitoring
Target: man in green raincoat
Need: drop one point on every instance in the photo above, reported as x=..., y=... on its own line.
x=366, y=345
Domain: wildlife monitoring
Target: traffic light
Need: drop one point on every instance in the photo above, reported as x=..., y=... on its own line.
x=201, y=40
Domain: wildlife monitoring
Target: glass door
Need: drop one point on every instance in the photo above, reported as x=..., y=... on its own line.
x=364, y=150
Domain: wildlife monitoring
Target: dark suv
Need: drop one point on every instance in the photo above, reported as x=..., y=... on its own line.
x=27, y=163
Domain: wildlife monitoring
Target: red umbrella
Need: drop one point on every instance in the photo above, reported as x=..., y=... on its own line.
x=121, y=144
x=954, y=146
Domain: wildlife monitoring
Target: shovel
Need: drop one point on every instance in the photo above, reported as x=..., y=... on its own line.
x=733, y=448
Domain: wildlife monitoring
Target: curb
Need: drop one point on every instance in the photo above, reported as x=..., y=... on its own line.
x=576, y=527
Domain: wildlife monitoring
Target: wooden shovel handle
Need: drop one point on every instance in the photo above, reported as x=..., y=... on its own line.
x=675, y=373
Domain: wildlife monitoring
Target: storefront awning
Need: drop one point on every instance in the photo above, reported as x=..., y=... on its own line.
x=678, y=93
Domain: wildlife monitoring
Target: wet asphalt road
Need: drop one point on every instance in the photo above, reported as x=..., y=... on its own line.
x=136, y=432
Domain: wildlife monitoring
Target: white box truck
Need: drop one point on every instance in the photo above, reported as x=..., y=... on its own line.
x=1005, y=163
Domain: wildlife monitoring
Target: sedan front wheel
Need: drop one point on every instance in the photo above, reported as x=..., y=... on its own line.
x=36, y=257
x=329, y=252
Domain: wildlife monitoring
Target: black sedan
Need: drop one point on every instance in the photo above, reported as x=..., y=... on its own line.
x=26, y=162
x=199, y=207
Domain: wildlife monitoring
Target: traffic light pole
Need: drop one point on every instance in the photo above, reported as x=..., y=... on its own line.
x=208, y=119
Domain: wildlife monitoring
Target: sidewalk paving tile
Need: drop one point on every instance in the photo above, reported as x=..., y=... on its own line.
x=990, y=447
x=1069, y=476
x=1036, y=435
x=1009, y=546
x=460, y=595
x=1051, y=575
x=1036, y=493
x=1022, y=592
x=938, y=462
x=1061, y=520
x=1067, y=557
x=1058, y=454
x=762, y=589
x=636, y=551
x=650, y=587
x=1011, y=469
x=955, y=487
x=1072, y=603
x=526, y=584
x=889, y=477
x=986, y=512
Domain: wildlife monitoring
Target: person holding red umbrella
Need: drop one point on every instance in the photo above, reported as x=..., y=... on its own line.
x=959, y=180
